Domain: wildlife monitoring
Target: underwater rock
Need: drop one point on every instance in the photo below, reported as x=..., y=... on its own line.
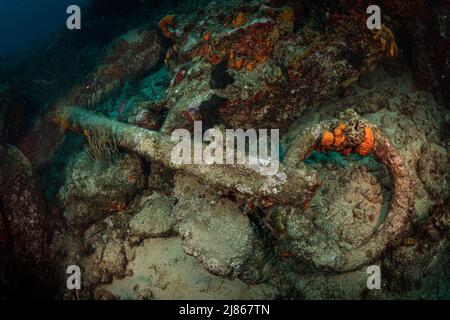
x=16, y=111
x=220, y=78
x=445, y=131
x=252, y=96
x=277, y=72
x=108, y=259
x=185, y=97
x=349, y=207
x=129, y=56
x=419, y=270
x=6, y=275
x=366, y=81
x=162, y=270
x=393, y=68
x=144, y=117
x=154, y=218
x=216, y=232
x=370, y=103
x=430, y=53
x=113, y=261
x=103, y=294
x=23, y=214
x=96, y=189
x=343, y=286
x=346, y=210
x=41, y=142
x=160, y=178
x=434, y=228
x=433, y=170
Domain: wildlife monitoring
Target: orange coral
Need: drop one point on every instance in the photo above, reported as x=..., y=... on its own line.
x=327, y=139
x=287, y=254
x=387, y=41
x=214, y=58
x=367, y=145
x=261, y=58
x=339, y=137
x=347, y=92
x=167, y=57
x=233, y=62
x=249, y=66
x=117, y=206
x=286, y=15
x=164, y=23
x=206, y=36
x=253, y=47
x=63, y=123
x=336, y=140
x=204, y=50
x=408, y=242
x=393, y=51
x=238, y=64
x=239, y=20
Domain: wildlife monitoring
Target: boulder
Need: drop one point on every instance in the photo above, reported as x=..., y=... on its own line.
x=216, y=232
x=96, y=189
x=154, y=218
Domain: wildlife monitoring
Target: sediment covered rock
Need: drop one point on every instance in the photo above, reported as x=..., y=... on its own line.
x=433, y=170
x=24, y=226
x=216, y=232
x=108, y=259
x=154, y=218
x=162, y=270
x=96, y=189
x=129, y=56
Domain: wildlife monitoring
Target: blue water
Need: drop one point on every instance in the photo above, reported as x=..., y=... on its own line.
x=25, y=22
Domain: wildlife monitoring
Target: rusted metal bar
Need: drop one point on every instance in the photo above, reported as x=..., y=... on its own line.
x=290, y=185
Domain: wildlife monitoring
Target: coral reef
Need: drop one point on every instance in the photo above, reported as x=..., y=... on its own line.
x=363, y=179
x=302, y=232
x=274, y=67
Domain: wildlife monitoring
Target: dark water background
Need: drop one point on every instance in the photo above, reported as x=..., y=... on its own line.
x=25, y=22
